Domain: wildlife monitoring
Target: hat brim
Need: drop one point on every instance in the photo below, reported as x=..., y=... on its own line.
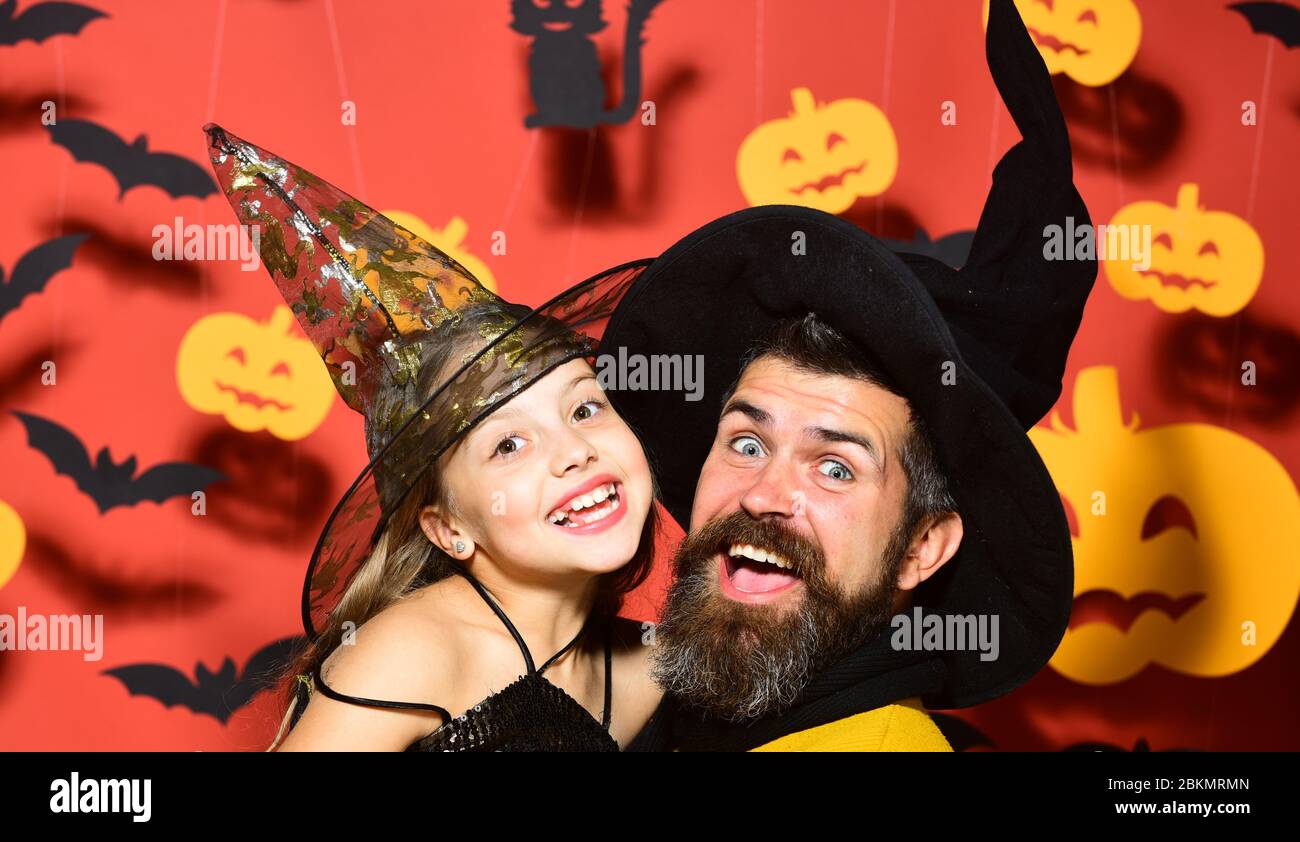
x=357, y=521
x=725, y=284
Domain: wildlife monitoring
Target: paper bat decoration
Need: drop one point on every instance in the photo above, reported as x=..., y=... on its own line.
x=959, y=733
x=43, y=20
x=218, y=694
x=1280, y=20
x=34, y=270
x=952, y=249
x=108, y=483
x=132, y=165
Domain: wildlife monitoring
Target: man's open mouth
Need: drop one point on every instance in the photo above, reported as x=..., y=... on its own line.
x=748, y=569
x=589, y=508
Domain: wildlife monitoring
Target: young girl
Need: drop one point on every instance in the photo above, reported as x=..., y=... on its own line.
x=465, y=592
x=531, y=527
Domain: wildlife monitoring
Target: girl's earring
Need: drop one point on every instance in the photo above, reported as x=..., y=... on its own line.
x=460, y=546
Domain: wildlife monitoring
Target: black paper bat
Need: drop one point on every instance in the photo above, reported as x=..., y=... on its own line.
x=218, y=694
x=952, y=249
x=35, y=268
x=107, y=483
x=132, y=165
x=1280, y=20
x=43, y=20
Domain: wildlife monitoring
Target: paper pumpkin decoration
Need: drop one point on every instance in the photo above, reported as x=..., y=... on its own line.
x=13, y=542
x=1212, y=261
x=821, y=156
x=257, y=375
x=450, y=239
x=1091, y=41
x=1186, y=541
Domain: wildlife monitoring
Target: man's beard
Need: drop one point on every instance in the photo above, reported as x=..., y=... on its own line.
x=738, y=661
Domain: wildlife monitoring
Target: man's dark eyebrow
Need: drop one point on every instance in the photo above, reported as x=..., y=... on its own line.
x=824, y=434
x=758, y=416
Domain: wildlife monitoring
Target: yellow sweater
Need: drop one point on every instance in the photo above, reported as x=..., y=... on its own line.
x=903, y=726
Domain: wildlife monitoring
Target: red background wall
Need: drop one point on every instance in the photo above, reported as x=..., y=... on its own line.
x=441, y=89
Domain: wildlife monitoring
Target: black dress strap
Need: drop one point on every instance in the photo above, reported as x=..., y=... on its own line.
x=528, y=658
x=519, y=639
x=382, y=703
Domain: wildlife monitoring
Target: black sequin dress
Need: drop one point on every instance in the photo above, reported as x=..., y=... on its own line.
x=529, y=714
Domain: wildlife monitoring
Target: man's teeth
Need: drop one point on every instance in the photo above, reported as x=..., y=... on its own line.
x=565, y=515
x=761, y=555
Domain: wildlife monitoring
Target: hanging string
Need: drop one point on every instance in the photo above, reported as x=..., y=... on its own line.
x=520, y=176
x=62, y=201
x=337, y=50
x=218, y=37
x=1260, y=110
x=1114, y=140
x=884, y=101
x=582, y=201
x=758, y=61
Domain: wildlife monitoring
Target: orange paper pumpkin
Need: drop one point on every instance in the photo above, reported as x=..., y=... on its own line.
x=1091, y=41
x=821, y=156
x=1186, y=541
x=259, y=376
x=1212, y=261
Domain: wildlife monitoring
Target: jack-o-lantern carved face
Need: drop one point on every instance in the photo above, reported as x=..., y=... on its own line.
x=1091, y=41
x=822, y=157
x=1184, y=540
x=450, y=239
x=259, y=376
x=1212, y=261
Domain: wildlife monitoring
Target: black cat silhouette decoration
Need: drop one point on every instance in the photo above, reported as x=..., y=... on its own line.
x=563, y=65
x=218, y=694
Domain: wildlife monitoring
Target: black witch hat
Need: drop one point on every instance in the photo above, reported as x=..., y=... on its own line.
x=1002, y=326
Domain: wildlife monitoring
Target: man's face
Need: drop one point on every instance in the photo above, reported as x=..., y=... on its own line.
x=813, y=453
x=803, y=467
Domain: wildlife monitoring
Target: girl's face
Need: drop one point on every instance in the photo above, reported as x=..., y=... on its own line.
x=552, y=481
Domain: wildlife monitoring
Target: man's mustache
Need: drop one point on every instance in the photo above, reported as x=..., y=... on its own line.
x=718, y=535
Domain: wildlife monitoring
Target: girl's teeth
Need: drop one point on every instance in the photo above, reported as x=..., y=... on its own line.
x=587, y=501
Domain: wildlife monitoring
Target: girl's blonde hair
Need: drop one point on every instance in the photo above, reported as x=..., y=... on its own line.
x=405, y=560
